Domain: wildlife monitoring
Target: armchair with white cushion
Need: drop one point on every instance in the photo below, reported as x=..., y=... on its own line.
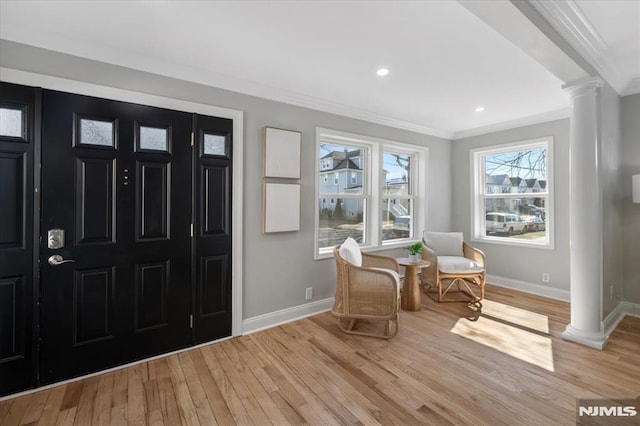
x=456, y=268
x=368, y=287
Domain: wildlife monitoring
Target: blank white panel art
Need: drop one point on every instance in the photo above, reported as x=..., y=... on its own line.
x=280, y=207
x=282, y=153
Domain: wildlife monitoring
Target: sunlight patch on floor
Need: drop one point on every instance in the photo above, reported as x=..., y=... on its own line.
x=516, y=342
x=515, y=315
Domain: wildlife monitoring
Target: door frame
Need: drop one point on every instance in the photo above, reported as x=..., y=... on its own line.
x=89, y=89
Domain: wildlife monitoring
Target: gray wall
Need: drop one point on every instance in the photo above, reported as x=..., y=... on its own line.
x=277, y=267
x=630, y=212
x=511, y=262
x=610, y=148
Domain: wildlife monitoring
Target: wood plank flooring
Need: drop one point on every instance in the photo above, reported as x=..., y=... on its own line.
x=448, y=365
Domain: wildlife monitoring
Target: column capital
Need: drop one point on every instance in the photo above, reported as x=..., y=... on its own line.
x=583, y=87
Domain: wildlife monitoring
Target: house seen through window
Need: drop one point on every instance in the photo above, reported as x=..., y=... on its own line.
x=512, y=187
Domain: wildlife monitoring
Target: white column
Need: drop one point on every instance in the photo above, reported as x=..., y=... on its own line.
x=585, y=214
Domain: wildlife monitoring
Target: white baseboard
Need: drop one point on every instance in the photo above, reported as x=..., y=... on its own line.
x=623, y=309
x=537, y=289
x=272, y=319
x=608, y=326
x=632, y=309
x=613, y=319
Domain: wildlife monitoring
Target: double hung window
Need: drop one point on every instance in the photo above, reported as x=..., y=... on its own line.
x=512, y=193
x=377, y=194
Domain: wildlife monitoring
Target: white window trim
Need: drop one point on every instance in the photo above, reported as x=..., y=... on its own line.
x=477, y=220
x=371, y=175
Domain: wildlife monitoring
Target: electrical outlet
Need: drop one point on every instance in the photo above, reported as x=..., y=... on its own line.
x=545, y=277
x=611, y=292
x=308, y=294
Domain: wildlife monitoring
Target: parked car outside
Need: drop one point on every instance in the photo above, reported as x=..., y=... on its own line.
x=534, y=223
x=504, y=223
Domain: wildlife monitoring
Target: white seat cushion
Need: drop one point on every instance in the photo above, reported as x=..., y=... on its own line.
x=350, y=251
x=444, y=243
x=458, y=265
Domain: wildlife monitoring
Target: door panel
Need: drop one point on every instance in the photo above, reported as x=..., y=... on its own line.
x=95, y=205
x=12, y=319
x=152, y=283
x=212, y=298
x=152, y=207
x=126, y=296
x=17, y=145
x=93, y=310
x=215, y=198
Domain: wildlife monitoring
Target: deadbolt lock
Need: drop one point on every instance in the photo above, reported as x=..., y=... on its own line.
x=55, y=239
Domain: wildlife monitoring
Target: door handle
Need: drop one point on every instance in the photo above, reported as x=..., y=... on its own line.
x=56, y=260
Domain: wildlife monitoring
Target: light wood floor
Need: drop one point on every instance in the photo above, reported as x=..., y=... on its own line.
x=448, y=365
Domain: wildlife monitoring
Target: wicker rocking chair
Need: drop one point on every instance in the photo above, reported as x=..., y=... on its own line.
x=369, y=291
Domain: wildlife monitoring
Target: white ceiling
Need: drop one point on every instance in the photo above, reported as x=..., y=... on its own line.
x=443, y=60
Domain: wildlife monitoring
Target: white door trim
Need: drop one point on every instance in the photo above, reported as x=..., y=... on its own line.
x=10, y=75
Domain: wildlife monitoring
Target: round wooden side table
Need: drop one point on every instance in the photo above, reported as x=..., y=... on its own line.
x=411, y=295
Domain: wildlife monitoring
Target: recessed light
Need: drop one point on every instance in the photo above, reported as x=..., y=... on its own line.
x=480, y=109
x=382, y=72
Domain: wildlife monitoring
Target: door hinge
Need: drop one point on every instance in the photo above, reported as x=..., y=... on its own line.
x=191, y=321
x=192, y=138
x=192, y=230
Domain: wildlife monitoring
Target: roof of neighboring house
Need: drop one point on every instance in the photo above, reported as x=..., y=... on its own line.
x=341, y=154
x=346, y=164
x=496, y=180
x=516, y=181
x=397, y=181
x=353, y=187
x=531, y=182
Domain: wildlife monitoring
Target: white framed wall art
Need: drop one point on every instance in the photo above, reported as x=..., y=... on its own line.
x=280, y=207
x=282, y=153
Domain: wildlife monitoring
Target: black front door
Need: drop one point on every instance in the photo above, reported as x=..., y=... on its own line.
x=18, y=112
x=116, y=250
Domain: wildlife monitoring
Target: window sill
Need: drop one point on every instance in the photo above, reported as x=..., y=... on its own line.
x=392, y=245
x=546, y=245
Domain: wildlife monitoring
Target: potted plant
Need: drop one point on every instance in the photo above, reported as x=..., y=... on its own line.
x=415, y=252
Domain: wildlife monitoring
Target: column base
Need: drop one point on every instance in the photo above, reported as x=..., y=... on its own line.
x=585, y=338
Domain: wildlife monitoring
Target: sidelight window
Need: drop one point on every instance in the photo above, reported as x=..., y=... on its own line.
x=215, y=144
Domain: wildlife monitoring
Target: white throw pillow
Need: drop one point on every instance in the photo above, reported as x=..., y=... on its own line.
x=445, y=243
x=350, y=251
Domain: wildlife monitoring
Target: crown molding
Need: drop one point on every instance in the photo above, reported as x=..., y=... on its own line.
x=567, y=18
x=632, y=88
x=513, y=124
